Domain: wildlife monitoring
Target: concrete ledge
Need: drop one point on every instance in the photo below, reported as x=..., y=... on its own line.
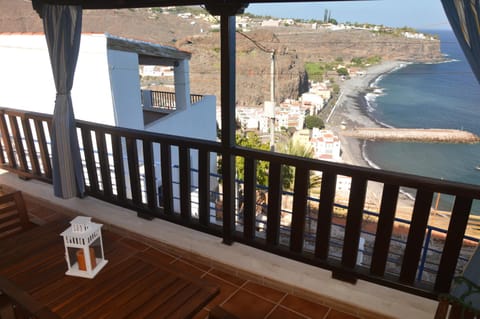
x=364, y=299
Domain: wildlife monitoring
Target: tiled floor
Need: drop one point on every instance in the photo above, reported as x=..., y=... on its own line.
x=242, y=296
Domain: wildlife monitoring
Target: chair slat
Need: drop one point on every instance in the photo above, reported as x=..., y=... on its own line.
x=13, y=214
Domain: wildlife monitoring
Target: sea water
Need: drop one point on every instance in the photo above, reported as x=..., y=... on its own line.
x=442, y=95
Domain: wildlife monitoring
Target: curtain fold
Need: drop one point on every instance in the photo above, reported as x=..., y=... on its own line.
x=62, y=26
x=463, y=16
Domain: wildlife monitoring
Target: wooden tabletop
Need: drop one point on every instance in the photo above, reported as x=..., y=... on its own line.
x=130, y=286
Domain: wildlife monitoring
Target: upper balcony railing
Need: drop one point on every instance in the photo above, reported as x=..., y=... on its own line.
x=124, y=167
x=165, y=100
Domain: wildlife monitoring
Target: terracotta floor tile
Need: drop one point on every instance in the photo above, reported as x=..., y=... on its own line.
x=305, y=307
x=184, y=267
x=265, y=292
x=135, y=244
x=247, y=305
x=334, y=314
x=197, y=264
x=226, y=290
x=237, y=281
x=283, y=313
x=157, y=256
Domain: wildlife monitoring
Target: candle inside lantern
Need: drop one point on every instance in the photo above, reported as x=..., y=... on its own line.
x=82, y=264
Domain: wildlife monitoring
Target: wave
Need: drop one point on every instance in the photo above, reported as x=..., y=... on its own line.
x=365, y=157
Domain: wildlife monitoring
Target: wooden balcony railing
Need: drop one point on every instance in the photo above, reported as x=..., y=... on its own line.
x=166, y=100
x=122, y=165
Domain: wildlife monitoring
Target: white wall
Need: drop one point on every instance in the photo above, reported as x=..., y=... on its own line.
x=198, y=121
x=125, y=89
x=26, y=80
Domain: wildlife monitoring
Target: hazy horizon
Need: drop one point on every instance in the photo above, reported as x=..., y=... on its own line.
x=422, y=15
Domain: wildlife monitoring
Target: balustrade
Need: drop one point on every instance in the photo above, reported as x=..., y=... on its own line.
x=176, y=179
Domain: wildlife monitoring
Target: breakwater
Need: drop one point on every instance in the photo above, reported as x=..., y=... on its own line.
x=413, y=135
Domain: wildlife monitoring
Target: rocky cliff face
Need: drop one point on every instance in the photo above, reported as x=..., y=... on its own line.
x=293, y=46
x=253, y=69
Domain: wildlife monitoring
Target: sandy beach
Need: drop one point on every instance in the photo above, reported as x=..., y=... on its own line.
x=351, y=109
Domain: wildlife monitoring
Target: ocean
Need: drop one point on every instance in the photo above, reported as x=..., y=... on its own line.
x=443, y=95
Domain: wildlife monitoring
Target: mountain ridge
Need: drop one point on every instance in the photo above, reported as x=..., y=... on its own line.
x=294, y=46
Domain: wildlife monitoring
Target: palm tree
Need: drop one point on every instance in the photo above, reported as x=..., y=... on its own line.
x=300, y=150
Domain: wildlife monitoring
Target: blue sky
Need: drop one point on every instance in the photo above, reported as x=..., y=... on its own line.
x=419, y=14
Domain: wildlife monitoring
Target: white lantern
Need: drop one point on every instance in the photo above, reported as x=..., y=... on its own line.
x=84, y=248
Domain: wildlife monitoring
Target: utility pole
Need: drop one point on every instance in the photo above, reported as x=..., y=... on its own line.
x=272, y=99
x=269, y=106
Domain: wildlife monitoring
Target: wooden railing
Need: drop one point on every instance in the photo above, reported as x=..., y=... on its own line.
x=122, y=167
x=166, y=100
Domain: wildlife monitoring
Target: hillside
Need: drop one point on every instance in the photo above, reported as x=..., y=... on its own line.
x=294, y=45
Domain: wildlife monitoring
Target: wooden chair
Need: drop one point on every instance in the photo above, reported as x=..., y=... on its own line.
x=13, y=214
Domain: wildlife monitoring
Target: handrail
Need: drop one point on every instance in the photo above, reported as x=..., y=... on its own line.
x=166, y=100
x=121, y=168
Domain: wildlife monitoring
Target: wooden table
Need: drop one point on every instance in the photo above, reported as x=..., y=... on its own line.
x=130, y=286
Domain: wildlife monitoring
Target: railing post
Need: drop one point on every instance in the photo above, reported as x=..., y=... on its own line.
x=426, y=246
x=228, y=43
x=227, y=12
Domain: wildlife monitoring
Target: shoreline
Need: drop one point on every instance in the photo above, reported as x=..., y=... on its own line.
x=352, y=109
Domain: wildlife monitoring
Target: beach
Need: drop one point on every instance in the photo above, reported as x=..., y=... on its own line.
x=351, y=111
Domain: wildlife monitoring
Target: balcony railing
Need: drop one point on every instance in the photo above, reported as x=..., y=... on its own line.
x=166, y=100
x=124, y=166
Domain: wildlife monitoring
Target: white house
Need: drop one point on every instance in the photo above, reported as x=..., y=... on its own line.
x=106, y=87
x=325, y=144
x=313, y=101
x=271, y=23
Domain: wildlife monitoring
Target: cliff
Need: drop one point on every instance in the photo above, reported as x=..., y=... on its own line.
x=294, y=46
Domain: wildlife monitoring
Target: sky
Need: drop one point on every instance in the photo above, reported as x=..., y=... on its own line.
x=418, y=14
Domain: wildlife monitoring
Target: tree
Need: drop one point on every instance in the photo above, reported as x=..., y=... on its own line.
x=312, y=121
x=288, y=172
x=342, y=71
x=251, y=140
x=336, y=88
